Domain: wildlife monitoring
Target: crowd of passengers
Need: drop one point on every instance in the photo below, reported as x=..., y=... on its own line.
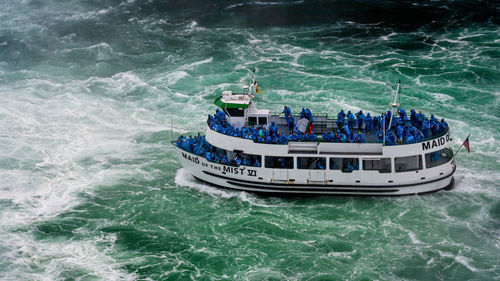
x=199, y=146
x=416, y=128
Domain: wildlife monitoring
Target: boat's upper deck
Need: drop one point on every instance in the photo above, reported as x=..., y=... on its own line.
x=323, y=128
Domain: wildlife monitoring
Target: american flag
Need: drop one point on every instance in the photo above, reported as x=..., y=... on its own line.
x=466, y=144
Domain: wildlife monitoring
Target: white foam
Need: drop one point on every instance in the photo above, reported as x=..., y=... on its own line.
x=441, y=97
x=459, y=259
x=47, y=133
x=46, y=260
x=184, y=178
x=386, y=37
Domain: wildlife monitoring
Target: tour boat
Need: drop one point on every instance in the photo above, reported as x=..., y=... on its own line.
x=231, y=156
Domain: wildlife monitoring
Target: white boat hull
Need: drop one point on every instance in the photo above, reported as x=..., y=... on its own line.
x=264, y=180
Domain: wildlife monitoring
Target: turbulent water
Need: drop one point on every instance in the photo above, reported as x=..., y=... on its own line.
x=91, y=189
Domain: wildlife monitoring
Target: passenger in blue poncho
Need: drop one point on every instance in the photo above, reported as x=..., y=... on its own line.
x=380, y=135
x=419, y=137
x=313, y=137
x=388, y=119
x=361, y=137
x=185, y=146
x=246, y=161
x=236, y=133
x=433, y=119
x=256, y=163
x=291, y=122
x=426, y=128
x=350, y=167
x=287, y=111
x=208, y=156
x=269, y=139
x=368, y=123
x=320, y=165
x=283, y=139
x=237, y=161
x=390, y=138
x=244, y=130
x=216, y=158
x=219, y=114
x=325, y=137
x=402, y=115
x=410, y=139
x=224, y=160
x=347, y=132
x=350, y=120
x=340, y=119
x=443, y=126
x=274, y=139
x=179, y=140
x=273, y=128
x=343, y=138
x=399, y=133
x=413, y=117
x=309, y=115
x=420, y=119
x=335, y=137
x=361, y=119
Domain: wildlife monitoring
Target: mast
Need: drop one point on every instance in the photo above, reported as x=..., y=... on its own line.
x=383, y=126
x=252, y=86
x=395, y=103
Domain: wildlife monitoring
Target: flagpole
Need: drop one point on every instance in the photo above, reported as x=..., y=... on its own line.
x=461, y=146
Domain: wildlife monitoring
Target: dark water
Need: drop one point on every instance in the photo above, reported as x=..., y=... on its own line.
x=90, y=188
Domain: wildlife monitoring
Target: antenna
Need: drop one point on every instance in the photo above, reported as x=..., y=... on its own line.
x=395, y=103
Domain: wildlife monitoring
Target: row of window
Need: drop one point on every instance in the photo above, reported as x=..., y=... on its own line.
x=383, y=165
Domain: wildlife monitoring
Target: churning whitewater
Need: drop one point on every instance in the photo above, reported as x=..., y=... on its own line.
x=93, y=92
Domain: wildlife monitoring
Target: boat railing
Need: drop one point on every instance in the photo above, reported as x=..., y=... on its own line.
x=280, y=114
x=369, y=137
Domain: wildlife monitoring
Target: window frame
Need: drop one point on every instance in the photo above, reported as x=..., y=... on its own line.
x=344, y=161
x=288, y=159
x=365, y=160
x=439, y=163
x=420, y=164
x=311, y=157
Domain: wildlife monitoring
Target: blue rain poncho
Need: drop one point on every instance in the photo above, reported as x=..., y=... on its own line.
x=368, y=123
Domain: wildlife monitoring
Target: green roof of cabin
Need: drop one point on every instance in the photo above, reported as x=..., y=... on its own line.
x=222, y=104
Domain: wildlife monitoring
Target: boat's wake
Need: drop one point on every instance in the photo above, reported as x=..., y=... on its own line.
x=184, y=178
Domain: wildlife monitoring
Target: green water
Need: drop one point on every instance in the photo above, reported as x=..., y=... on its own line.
x=91, y=189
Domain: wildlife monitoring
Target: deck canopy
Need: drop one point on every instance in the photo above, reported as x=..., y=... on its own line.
x=220, y=103
x=230, y=100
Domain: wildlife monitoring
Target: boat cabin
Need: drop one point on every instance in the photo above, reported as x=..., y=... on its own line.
x=240, y=110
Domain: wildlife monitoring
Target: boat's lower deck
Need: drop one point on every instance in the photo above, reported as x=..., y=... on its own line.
x=326, y=181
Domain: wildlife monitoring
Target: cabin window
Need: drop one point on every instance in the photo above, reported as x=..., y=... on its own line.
x=437, y=158
x=311, y=163
x=383, y=165
x=235, y=112
x=278, y=162
x=251, y=160
x=409, y=163
x=262, y=120
x=346, y=165
x=252, y=121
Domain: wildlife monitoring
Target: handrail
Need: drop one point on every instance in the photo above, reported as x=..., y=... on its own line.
x=320, y=141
